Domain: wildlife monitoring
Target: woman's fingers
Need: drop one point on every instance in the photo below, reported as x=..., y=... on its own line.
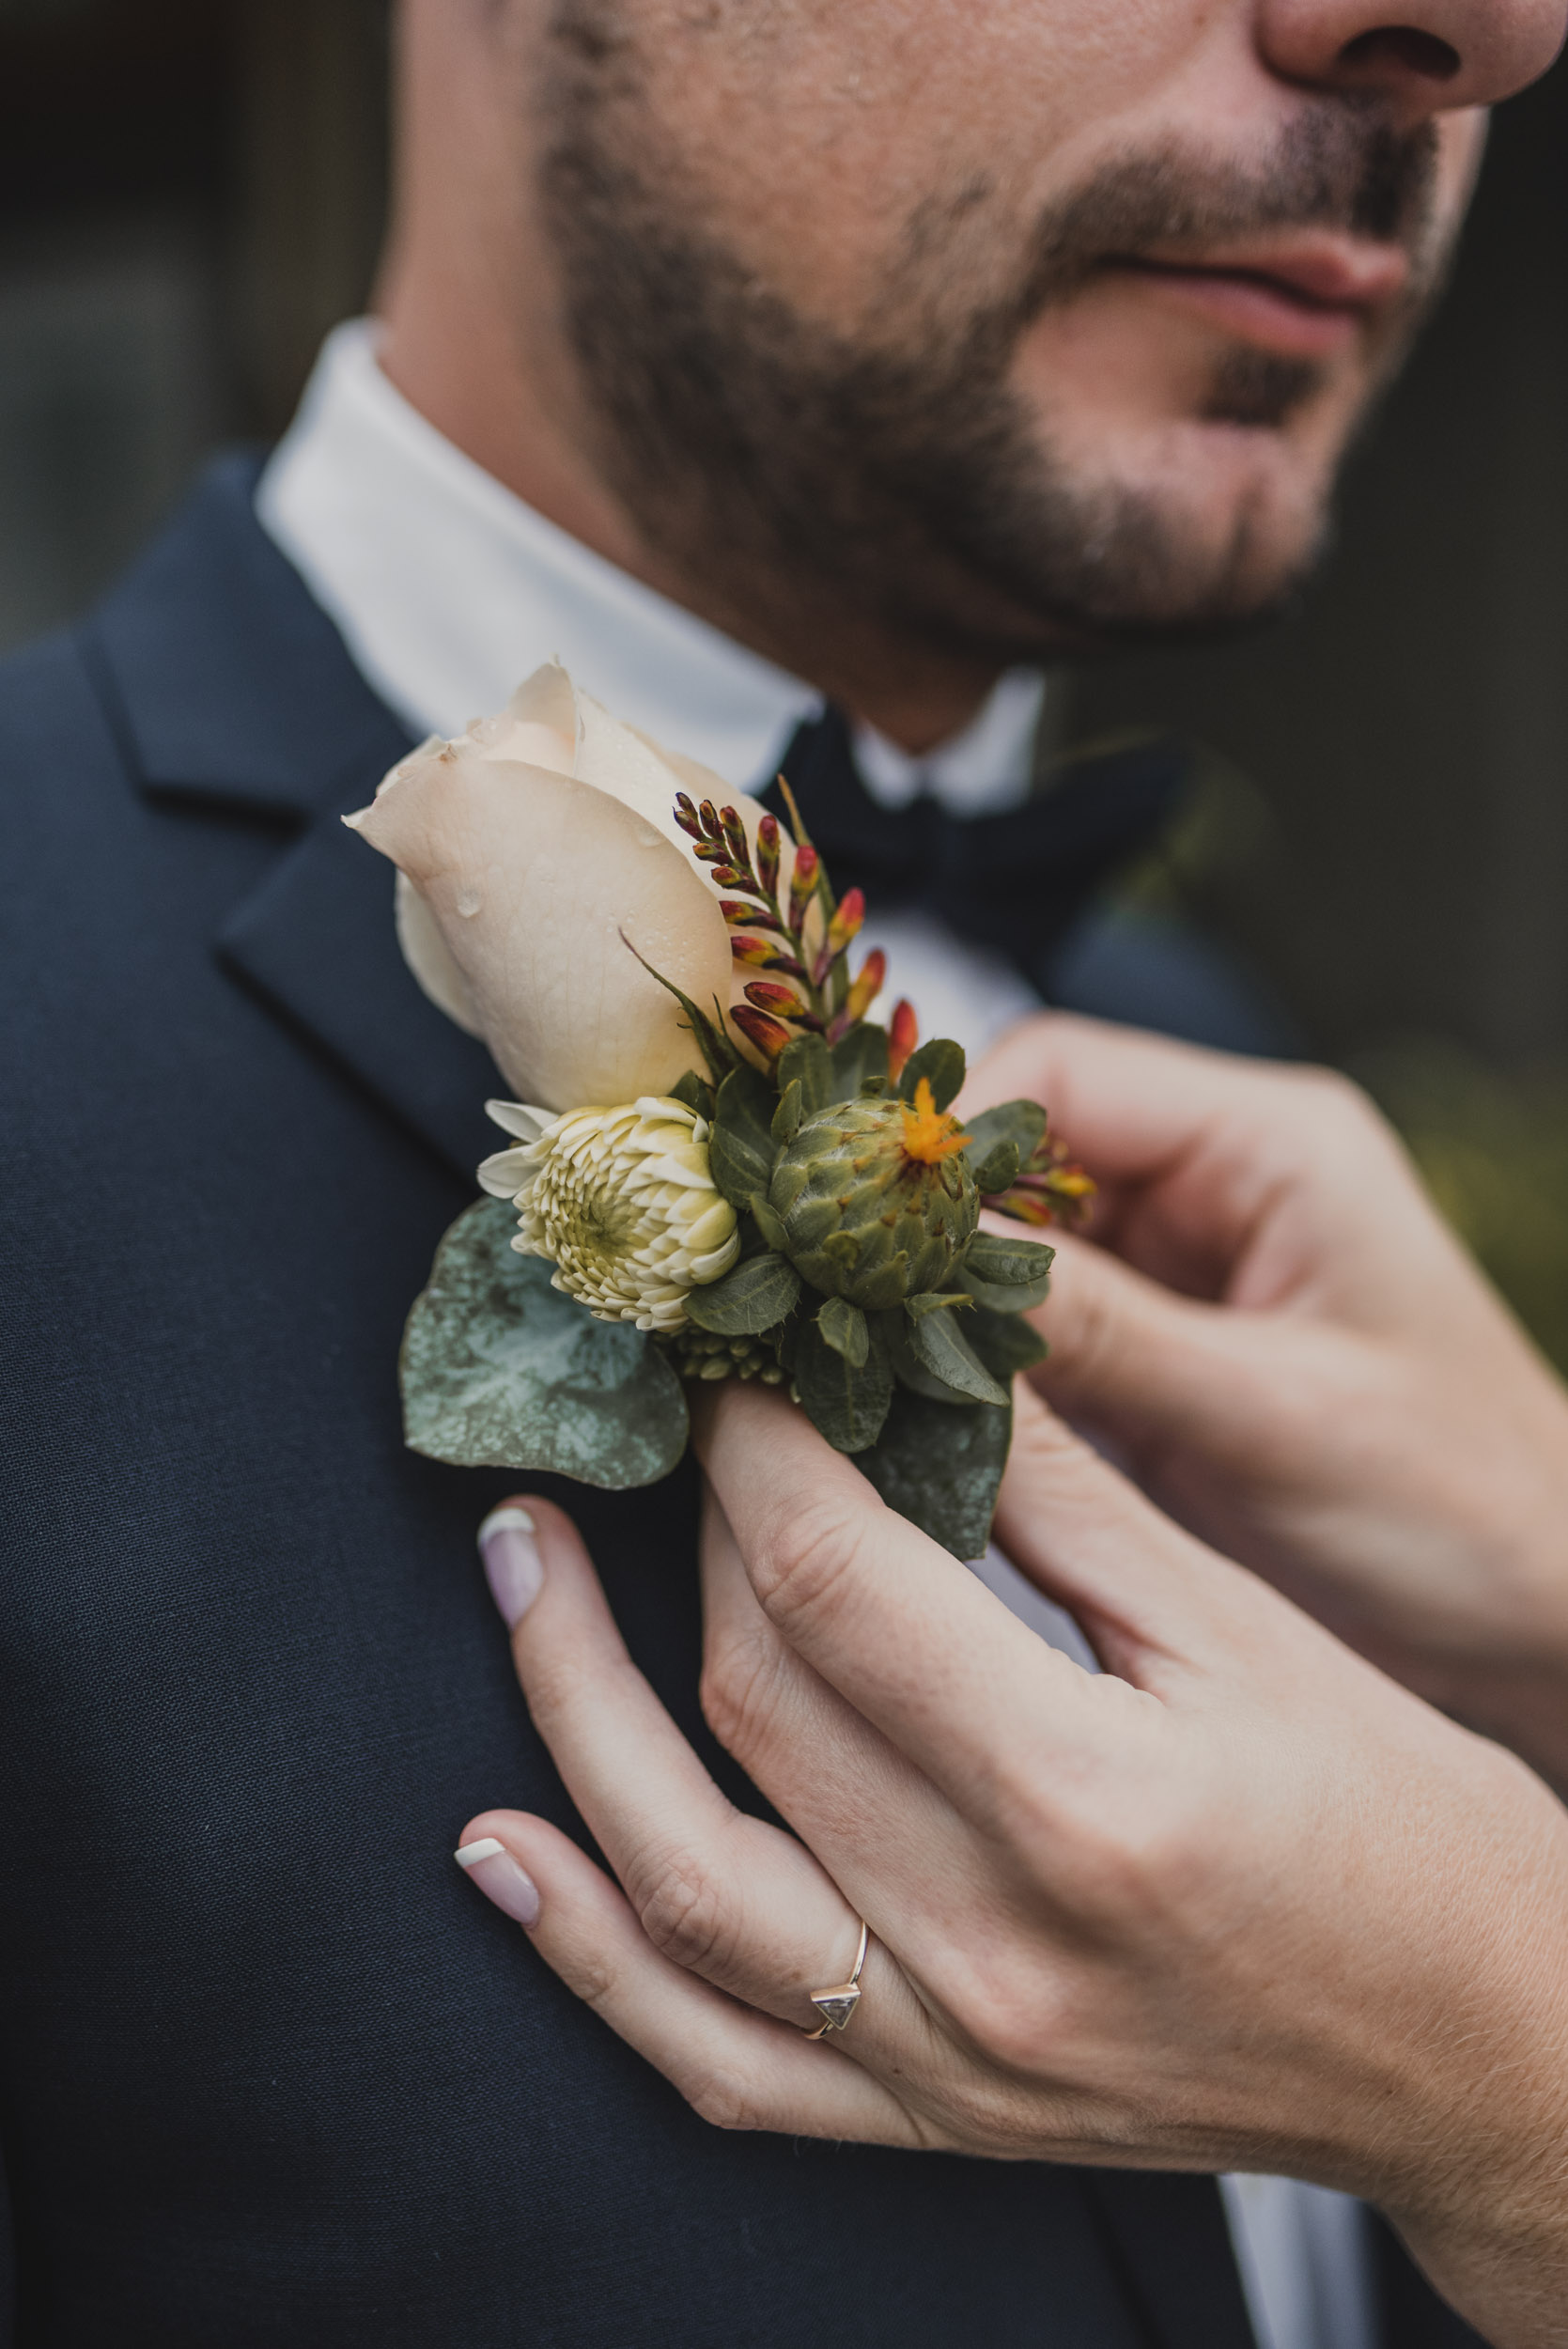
x=737, y=2068
x=1155, y=1603
x=903, y=1631
x=719, y=1893
x=887, y=1836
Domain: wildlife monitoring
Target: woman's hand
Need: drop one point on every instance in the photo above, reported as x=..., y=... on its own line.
x=1333, y=1395
x=1240, y=1902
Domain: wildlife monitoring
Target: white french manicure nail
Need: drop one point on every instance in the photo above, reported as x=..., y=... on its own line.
x=500, y=1880
x=513, y=1567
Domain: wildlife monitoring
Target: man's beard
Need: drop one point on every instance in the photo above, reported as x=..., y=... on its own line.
x=895, y=473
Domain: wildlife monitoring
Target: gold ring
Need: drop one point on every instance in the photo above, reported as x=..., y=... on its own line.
x=836, y=2005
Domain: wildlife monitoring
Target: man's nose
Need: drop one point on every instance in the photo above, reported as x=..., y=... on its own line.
x=1419, y=56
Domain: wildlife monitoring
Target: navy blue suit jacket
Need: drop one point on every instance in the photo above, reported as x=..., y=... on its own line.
x=271, y=2072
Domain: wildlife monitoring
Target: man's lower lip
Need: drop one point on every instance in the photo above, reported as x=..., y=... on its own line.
x=1252, y=310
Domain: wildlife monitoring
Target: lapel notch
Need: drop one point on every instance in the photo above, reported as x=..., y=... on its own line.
x=231, y=690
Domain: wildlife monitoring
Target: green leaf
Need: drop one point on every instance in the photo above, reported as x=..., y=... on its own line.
x=859, y=1058
x=941, y=1064
x=770, y=1225
x=696, y=1093
x=808, y=1059
x=935, y=1302
x=997, y=1168
x=844, y=1403
x=1011, y=1276
x=892, y=1330
x=940, y=1468
x=1023, y=1122
x=843, y=1327
x=939, y=1347
x=754, y=1297
x=713, y=1044
x=787, y=1117
x=500, y=1370
x=1005, y=1343
x=740, y=1150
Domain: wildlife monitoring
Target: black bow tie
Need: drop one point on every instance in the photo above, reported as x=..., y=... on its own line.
x=1015, y=882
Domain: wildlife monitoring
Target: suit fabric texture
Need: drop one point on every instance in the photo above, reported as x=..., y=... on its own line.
x=271, y=2071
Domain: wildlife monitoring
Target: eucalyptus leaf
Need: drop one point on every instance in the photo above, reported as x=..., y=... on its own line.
x=844, y=1326
x=859, y=1058
x=755, y=1296
x=808, y=1059
x=500, y=1370
x=845, y=1403
x=941, y=1468
x=1011, y=1276
x=940, y=1348
x=941, y=1064
x=1023, y=1122
x=741, y=1148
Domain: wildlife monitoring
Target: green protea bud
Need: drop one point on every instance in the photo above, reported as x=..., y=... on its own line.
x=876, y=1199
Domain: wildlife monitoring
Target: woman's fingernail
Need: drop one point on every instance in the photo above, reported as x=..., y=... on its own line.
x=500, y=1878
x=513, y=1567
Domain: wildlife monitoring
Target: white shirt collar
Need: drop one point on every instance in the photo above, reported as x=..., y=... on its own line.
x=448, y=590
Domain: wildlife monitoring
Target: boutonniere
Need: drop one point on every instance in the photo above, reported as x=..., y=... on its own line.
x=719, y=1165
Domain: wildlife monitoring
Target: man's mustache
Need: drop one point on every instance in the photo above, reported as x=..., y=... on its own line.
x=1335, y=166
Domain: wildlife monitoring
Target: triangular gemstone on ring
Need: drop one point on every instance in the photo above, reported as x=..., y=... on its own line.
x=836, y=2006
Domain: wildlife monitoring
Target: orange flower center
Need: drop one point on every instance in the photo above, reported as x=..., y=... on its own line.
x=930, y=1134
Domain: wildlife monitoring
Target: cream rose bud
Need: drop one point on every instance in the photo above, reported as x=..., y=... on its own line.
x=621, y=1201
x=530, y=852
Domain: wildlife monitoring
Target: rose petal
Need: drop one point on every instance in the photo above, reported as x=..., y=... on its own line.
x=531, y=879
x=427, y=955
x=538, y=725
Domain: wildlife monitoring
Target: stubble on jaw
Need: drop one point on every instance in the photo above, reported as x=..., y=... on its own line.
x=893, y=475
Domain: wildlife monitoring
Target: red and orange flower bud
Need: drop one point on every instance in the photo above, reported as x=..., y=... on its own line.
x=768, y=996
x=865, y=987
x=903, y=1035
x=767, y=855
x=846, y=920
x=767, y=1034
x=802, y=886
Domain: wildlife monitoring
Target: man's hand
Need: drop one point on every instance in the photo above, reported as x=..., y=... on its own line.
x=1241, y=1902
x=1332, y=1394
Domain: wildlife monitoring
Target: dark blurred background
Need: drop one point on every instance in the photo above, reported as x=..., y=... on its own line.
x=190, y=193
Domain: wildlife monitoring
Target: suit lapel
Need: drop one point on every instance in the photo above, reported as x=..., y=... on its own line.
x=230, y=689
x=1166, y=2232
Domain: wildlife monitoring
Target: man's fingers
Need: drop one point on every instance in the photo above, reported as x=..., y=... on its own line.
x=736, y=2068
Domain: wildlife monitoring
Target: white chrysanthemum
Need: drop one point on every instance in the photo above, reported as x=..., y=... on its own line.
x=621, y=1201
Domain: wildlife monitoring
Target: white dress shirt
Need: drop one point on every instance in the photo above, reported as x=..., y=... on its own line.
x=448, y=591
